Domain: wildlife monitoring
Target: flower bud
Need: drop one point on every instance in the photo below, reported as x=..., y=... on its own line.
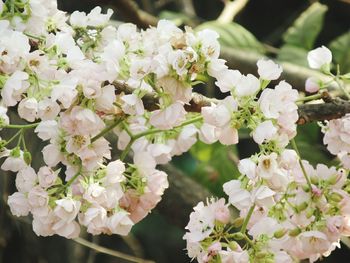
x=238, y=222
x=294, y=232
x=279, y=233
x=233, y=245
x=238, y=236
x=336, y=197
x=261, y=254
x=314, y=180
x=27, y=157
x=301, y=207
x=333, y=179
x=306, y=188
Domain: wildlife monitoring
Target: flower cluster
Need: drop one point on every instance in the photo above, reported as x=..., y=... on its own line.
x=291, y=216
x=337, y=139
x=288, y=210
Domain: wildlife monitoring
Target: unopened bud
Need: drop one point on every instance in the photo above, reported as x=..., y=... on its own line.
x=233, y=245
x=301, y=207
x=294, y=232
x=279, y=233
x=306, y=188
x=16, y=152
x=238, y=236
x=27, y=157
x=336, y=197
x=314, y=180
x=238, y=222
x=333, y=179
x=310, y=213
x=261, y=254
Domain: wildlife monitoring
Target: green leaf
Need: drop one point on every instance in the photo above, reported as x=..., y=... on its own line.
x=309, y=141
x=214, y=165
x=293, y=54
x=234, y=35
x=175, y=17
x=340, y=48
x=306, y=27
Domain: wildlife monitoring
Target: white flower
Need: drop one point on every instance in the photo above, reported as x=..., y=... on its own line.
x=105, y=101
x=132, y=105
x=81, y=121
x=47, y=130
x=68, y=230
x=263, y=196
x=228, y=80
x=14, y=164
x=114, y=172
x=238, y=197
x=67, y=209
x=28, y=109
x=52, y=155
x=38, y=199
x=269, y=70
x=208, y=133
x=96, y=18
x=95, y=194
x=26, y=179
x=78, y=19
x=48, y=109
x=247, y=167
x=18, y=203
x=247, y=85
x=4, y=119
x=47, y=177
x=65, y=92
x=201, y=223
x=15, y=85
x=219, y=114
x=264, y=132
x=169, y=117
x=312, y=85
x=119, y=223
x=95, y=219
x=319, y=57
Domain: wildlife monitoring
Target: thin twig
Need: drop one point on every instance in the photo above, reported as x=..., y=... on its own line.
x=110, y=252
x=231, y=9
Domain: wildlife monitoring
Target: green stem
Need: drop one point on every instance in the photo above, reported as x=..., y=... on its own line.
x=32, y=36
x=19, y=126
x=311, y=97
x=295, y=147
x=13, y=137
x=246, y=220
x=341, y=86
x=127, y=149
x=107, y=129
x=70, y=181
x=153, y=131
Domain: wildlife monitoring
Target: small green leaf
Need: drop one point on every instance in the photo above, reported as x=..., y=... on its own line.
x=306, y=27
x=340, y=48
x=175, y=17
x=293, y=54
x=234, y=35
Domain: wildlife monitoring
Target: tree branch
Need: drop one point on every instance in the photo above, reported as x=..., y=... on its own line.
x=332, y=109
x=132, y=13
x=231, y=9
